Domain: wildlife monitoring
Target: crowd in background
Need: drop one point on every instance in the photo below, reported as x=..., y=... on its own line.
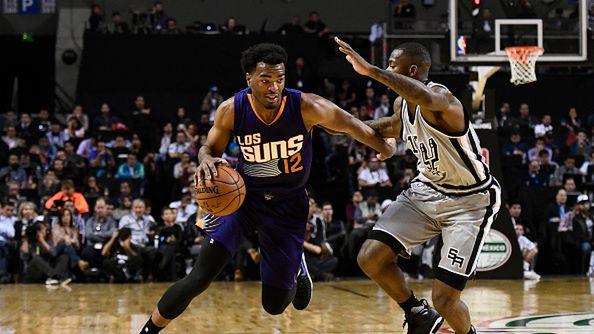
x=548, y=170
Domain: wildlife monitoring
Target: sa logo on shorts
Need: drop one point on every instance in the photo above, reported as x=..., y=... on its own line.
x=496, y=251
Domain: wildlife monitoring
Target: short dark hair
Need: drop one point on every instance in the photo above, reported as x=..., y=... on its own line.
x=515, y=202
x=264, y=52
x=415, y=51
x=326, y=203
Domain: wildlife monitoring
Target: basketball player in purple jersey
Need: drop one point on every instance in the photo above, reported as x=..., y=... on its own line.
x=272, y=125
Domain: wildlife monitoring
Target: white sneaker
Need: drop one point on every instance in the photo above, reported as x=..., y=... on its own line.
x=530, y=274
x=52, y=281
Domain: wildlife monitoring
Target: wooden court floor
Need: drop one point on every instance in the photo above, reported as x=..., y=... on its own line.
x=547, y=306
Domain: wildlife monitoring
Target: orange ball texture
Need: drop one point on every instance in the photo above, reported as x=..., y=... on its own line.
x=221, y=195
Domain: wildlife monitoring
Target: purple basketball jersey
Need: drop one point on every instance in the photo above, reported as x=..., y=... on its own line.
x=275, y=158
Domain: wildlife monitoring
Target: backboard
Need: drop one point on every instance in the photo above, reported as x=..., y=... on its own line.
x=481, y=30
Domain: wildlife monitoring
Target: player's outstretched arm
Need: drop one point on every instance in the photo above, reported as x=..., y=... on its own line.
x=216, y=142
x=318, y=111
x=413, y=91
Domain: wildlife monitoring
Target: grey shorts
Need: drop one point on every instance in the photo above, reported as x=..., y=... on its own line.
x=421, y=213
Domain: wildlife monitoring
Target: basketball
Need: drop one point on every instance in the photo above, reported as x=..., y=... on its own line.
x=223, y=194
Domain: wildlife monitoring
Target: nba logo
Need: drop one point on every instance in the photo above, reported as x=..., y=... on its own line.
x=461, y=45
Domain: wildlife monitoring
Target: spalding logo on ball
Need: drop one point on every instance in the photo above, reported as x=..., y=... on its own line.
x=223, y=194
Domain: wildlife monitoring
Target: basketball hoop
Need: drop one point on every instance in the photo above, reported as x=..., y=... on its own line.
x=522, y=60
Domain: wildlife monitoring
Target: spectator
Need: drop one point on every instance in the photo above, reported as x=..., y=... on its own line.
x=515, y=146
x=49, y=185
x=384, y=109
x=231, y=27
x=138, y=223
x=211, y=101
x=177, y=148
x=101, y=160
x=184, y=208
x=558, y=21
x=105, y=121
x=567, y=168
x=11, y=139
x=56, y=135
x=68, y=193
x=25, y=218
x=539, y=145
x=158, y=18
x=505, y=119
x=335, y=229
x=26, y=130
x=365, y=217
x=582, y=225
x=40, y=258
x=529, y=252
x=351, y=207
x=535, y=177
x=7, y=233
x=171, y=27
x=182, y=121
x=318, y=254
x=544, y=127
x=65, y=237
x=301, y=77
x=98, y=230
x=124, y=207
x=547, y=165
x=43, y=122
x=291, y=28
x=314, y=25
x=572, y=122
x=165, y=140
x=374, y=175
x=13, y=172
x=370, y=102
x=121, y=258
x=132, y=169
x=571, y=188
x=86, y=146
x=92, y=191
x=526, y=10
x=117, y=26
x=74, y=128
x=526, y=121
x=582, y=146
x=587, y=168
x=483, y=27
x=96, y=19
x=79, y=114
x=328, y=90
x=170, y=239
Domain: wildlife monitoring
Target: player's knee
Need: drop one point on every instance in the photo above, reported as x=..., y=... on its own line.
x=371, y=260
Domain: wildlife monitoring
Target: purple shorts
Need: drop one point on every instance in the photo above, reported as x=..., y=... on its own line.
x=280, y=224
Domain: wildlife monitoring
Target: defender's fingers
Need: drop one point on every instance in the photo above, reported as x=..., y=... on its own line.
x=206, y=171
x=212, y=169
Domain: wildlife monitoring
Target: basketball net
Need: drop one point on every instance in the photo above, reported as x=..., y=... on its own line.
x=522, y=60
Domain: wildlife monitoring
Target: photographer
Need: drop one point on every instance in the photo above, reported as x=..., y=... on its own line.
x=122, y=261
x=40, y=258
x=68, y=193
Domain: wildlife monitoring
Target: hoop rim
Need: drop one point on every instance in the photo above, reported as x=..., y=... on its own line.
x=512, y=50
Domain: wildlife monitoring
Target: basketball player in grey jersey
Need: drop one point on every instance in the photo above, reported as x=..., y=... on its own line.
x=454, y=194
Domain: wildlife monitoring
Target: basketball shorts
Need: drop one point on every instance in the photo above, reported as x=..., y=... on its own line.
x=279, y=223
x=421, y=213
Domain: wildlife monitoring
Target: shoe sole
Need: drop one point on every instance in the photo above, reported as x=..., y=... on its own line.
x=436, y=325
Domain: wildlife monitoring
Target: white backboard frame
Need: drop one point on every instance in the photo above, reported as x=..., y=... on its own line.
x=501, y=57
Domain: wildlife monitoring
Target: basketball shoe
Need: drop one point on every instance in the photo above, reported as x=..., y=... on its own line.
x=304, y=287
x=423, y=319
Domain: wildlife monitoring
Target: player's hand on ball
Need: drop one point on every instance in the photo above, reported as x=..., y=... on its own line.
x=360, y=65
x=208, y=169
x=391, y=143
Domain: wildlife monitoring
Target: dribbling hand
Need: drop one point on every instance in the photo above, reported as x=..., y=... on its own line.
x=208, y=169
x=360, y=65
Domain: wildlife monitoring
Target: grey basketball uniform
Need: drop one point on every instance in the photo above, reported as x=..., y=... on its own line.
x=454, y=195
